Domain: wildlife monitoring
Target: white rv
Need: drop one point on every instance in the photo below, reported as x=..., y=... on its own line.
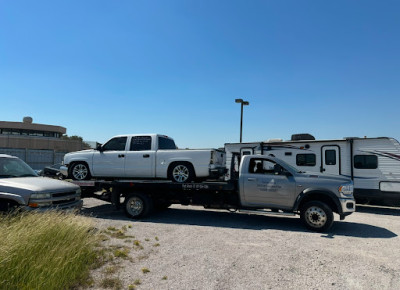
x=372, y=163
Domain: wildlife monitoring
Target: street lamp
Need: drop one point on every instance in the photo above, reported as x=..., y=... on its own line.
x=242, y=103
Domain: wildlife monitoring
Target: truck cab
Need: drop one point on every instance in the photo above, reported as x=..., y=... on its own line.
x=269, y=183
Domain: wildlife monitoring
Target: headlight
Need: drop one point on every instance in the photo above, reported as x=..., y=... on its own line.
x=40, y=195
x=346, y=189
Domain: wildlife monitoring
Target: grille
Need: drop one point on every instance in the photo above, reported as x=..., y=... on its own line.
x=61, y=194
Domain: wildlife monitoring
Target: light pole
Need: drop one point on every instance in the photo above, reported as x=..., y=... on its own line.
x=242, y=103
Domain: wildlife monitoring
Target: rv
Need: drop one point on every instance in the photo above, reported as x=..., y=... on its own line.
x=372, y=163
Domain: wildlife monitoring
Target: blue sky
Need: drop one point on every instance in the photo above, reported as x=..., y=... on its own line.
x=102, y=68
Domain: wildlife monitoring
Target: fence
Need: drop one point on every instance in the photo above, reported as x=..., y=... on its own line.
x=37, y=159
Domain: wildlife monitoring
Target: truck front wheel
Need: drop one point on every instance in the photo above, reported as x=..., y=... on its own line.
x=138, y=205
x=316, y=216
x=181, y=172
x=79, y=171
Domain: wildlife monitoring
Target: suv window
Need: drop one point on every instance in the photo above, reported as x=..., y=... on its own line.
x=365, y=161
x=305, y=159
x=140, y=143
x=14, y=167
x=166, y=143
x=115, y=144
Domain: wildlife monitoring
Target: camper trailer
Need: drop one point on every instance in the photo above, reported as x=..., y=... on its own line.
x=372, y=163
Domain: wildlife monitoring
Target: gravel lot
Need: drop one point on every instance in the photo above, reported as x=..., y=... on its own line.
x=193, y=248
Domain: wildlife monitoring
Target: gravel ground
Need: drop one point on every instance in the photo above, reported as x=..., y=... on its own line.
x=193, y=248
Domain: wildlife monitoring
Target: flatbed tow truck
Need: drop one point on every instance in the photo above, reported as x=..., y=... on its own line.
x=261, y=185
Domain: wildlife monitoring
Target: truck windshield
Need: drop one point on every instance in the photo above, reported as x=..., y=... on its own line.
x=14, y=167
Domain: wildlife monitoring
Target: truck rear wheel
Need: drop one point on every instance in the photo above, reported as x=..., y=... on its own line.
x=316, y=216
x=181, y=172
x=79, y=171
x=138, y=205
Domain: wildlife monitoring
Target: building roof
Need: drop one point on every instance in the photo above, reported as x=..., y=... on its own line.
x=32, y=126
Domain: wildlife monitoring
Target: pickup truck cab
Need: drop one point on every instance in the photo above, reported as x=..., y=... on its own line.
x=144, y=156
x=268, y=182
x=21, y=187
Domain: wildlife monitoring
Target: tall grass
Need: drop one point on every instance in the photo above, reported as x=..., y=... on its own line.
x=51, y=250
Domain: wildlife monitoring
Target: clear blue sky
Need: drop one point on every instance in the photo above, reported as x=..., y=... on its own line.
x=102, y=68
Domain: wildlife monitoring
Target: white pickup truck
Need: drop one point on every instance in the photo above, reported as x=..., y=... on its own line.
x=144, y=156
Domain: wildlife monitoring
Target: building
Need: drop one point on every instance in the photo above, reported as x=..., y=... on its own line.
x=37, y=144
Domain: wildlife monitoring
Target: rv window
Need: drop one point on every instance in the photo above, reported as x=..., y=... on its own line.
x=365, y=161
x=330, y=157
x=305, y=160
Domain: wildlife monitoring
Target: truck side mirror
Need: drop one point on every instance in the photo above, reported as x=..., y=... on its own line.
x=99, y=147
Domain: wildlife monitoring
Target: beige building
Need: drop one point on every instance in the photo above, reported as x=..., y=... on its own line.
x=28, y=135
x=38, y=144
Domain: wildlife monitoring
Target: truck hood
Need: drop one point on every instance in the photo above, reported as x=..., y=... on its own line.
x=330, y=177
x=35, y=184
x=81, y=152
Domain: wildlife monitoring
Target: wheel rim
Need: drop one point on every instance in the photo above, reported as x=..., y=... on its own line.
x=80, y=172
x=135, y=206
x=180, y=173
x=316, y=217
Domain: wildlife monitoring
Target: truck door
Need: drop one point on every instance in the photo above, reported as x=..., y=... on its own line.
x=140, y=159
x=330, y=159
x=109, y=162
x=267, y=184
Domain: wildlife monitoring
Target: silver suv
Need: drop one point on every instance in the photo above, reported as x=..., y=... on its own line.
x=20, y=186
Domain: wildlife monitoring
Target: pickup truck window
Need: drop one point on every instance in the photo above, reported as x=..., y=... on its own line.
x=115, y=144
x=264, y=166
x=140, y=143
x=166, y=143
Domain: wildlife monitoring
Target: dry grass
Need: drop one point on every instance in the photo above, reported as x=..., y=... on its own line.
x=51, y=250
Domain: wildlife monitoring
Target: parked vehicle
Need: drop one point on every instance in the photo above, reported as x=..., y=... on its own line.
x=264, y=185
x=146, y=156
x=21, y=187
x=372, y=163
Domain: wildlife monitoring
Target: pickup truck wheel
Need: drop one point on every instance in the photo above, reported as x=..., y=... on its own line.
x=181, y=172
x=79, y=171
x=138, y=205
x=317, y=216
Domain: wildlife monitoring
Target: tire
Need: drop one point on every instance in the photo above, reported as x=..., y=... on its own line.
x=181, y=172
x=8, y=207
x=79, y=171
x=138, y=205
x=317, y=216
